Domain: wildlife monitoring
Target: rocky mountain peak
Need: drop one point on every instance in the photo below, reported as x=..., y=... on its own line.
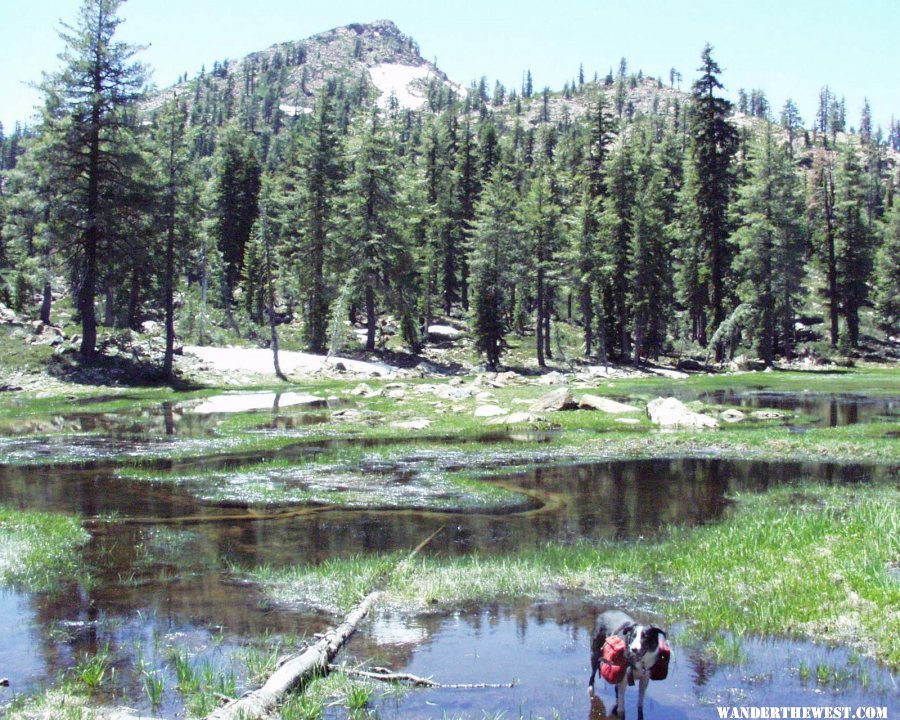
x=376, y=56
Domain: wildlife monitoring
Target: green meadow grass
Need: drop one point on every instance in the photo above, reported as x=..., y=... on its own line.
x=803, y=561
x=38, y=550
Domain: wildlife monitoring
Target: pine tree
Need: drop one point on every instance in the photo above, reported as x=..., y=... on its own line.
x=86, y=116
x=887, y=275
x=31, y=252
x=373, y=242
x=824, y=113
x=614, y=235
x=180, y=207
x=235, y=201
x=854, y=246
x=540, y=227
x=714, y=144
x=467, y=187
x=823, y=214
x=865, y=123
x=588, y=280
x=792, y=123
x=495, y=233
x=312, y=196
x=649, y=274
x=770, y=242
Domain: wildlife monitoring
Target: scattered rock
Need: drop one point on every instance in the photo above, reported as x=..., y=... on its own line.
x=559, y=399
x=440, y=333
x=485, y=397
x=508, y=377
x=414, y=424
x=455, y=393
x=596, y=402
x=731, y=415
x=552, y=378
x=396, y=394
x=690, y=365
x=672, y=413
x=516, y=418
x=742, y=363
x=484, y=411
x=766, y=415
x=363, y=390
x=628, y=421
x=10, y=388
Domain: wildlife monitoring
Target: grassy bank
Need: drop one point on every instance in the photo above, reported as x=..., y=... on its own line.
x=804, y=561
x=38, y=550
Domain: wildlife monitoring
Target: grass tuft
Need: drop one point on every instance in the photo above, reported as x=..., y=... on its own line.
x=38, y=550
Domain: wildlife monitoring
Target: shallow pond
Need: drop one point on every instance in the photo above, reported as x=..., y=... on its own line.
x=801, y=408
x=546, y=649
x=161, y=581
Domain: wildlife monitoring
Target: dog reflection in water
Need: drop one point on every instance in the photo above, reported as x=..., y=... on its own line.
x=598, y=709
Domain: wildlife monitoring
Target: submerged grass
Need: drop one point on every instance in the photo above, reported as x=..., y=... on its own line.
x=37, y=549
x=805, y=560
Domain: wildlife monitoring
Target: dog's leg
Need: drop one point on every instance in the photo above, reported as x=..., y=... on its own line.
x=619, y=708
x=642, y=688
x=595, y=663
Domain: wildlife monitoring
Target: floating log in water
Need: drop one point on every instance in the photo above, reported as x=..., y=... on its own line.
x=313, y=661
x=386, y=675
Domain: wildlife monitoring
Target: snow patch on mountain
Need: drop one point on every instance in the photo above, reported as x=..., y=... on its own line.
x=406, y=82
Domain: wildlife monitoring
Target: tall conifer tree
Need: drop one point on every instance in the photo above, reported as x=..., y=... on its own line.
x=86, y=116
x=714, y=144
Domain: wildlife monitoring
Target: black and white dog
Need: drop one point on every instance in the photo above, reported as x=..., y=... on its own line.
x=642, y=648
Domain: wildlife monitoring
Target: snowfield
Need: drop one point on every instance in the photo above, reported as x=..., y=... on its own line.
x=390, y=77
x=259, y=361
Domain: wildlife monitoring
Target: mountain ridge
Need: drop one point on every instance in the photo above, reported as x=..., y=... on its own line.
x=376, y=57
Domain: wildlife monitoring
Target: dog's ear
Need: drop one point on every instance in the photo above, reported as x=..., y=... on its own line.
x=659, y=630
x=628, y=629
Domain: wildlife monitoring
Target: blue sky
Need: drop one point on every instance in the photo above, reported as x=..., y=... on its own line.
x=789, y=48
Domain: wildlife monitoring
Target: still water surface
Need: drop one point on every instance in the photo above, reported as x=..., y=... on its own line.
x=162, y=583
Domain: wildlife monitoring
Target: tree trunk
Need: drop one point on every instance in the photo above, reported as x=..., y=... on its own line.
x=312, y=662
x=134, y=300
x=274, y=335
x=638, y=339
x=47, y=302
x=539, y=324
x=318, y=326
x=587, y=317
x=548, y=350
x=370, y=316
x=828, y=195
x=169, y=280
x=832, y=283
x=88, y=290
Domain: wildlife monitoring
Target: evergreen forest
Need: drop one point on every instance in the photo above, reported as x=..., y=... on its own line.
x=264, y=197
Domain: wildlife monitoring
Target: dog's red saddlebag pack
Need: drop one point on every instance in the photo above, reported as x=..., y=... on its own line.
x=614, y=664
x=660, y=669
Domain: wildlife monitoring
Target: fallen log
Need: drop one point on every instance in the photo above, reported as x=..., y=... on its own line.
x=385, y=675
x=312, y=662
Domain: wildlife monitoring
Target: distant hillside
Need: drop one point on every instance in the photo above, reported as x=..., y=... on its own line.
x=374, y=60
